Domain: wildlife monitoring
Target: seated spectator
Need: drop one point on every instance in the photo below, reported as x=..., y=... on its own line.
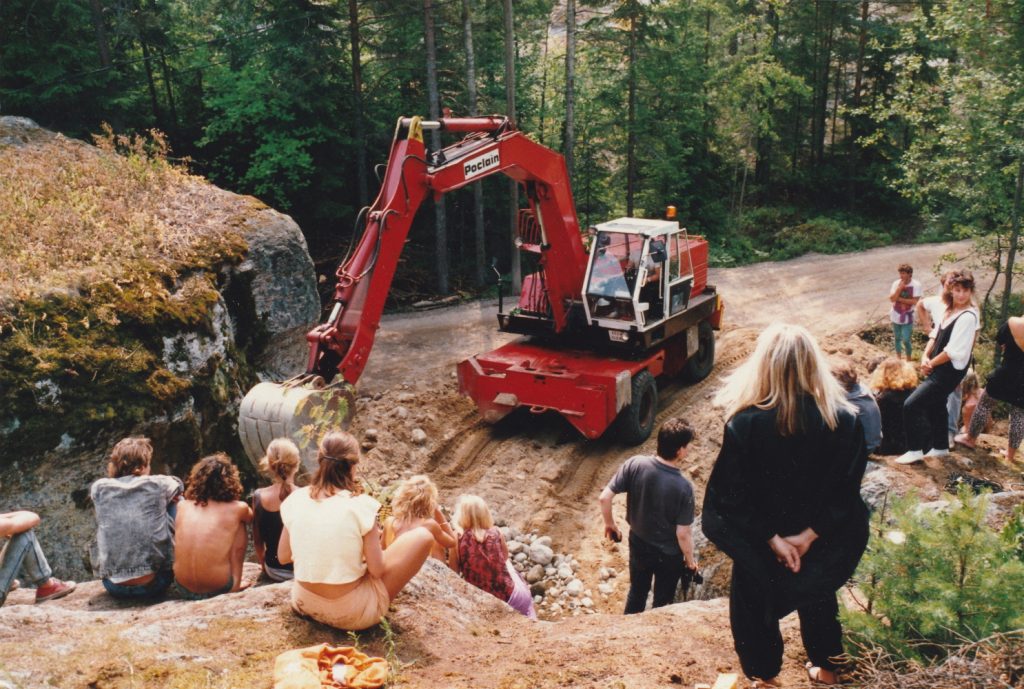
x=867, y=409
x=210, y=530
x=415, y=507
x=893, y=382
x=343, y=578
x=971, y=389
x=134, y=549
x=483, y=556
x=280, y=463
x=23, y=555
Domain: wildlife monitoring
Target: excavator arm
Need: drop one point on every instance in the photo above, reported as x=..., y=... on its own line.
x=342, y=343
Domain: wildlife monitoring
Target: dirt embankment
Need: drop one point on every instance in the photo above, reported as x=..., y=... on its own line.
x=537, y=474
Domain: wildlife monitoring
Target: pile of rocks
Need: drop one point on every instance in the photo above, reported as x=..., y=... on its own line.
x=556, y=589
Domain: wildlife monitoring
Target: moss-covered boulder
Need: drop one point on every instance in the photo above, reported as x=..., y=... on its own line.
x=134, y=298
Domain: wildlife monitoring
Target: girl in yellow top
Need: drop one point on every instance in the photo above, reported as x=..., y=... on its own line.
x=415, y=507
x=342, y=576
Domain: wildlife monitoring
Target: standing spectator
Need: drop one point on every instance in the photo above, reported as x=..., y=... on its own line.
x=23, y=554
x=482, y=556
x=134, y=549
x=930, y=311
x=893, y=382
x=904, y=295
x=342, y=576
x=1006, y=384
x=281, y=462
x=860, y=397
x=659, y=511
x=783, y=501
x=210, y=527
x=945, y=362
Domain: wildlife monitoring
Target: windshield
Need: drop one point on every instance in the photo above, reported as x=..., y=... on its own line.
x=615, y=265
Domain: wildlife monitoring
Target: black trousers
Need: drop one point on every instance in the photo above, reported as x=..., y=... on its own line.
x=755, y=628
x=925, y=418
x=646, y=562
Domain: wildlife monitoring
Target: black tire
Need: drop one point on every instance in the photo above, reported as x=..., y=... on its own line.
x=636, y=420
x=700, y=364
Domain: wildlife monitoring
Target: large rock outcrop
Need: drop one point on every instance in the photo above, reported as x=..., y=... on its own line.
x=109, y=350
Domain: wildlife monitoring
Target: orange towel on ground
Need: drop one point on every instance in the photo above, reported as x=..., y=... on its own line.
x=312, y=668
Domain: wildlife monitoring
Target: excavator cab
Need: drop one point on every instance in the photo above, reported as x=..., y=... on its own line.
x=638, y=276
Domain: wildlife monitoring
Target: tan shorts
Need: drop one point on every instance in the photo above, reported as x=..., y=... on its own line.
x=360, y=608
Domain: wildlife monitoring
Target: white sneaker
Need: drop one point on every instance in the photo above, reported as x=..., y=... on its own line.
x=936, y=452
x=910, y=457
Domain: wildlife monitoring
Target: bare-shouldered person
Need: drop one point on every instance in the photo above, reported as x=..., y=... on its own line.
x=210, y=528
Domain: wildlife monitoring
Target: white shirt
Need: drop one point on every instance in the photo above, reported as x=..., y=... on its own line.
x=904, y=313
x=326, y=535
x=961, y=340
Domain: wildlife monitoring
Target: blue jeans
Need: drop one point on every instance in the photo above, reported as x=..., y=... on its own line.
x=157, y=587
x=23, y=554
x=902, y=332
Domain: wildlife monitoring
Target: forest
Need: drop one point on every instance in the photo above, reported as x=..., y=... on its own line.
x=775, y=126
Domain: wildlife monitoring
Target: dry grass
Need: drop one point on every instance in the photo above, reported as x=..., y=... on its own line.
x=73, y=214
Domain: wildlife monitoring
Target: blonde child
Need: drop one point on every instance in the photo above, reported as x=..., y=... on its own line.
x=280, y=463
x=415, y=507
x=971, y=396
x=483, y=556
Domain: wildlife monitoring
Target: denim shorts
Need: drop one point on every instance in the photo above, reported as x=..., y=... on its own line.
x=153, y=589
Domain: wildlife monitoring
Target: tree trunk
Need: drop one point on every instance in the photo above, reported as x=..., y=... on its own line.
x=173, y=111
x=631, y=120
x=821, y=111
x=1011, y=253
x=102, y=43
x=544, y=83
x=154, y=103
x=568, y=131
x=858, y=80
x=357, y=100
x=510, y=107
x=440, y=222
x=478, y=190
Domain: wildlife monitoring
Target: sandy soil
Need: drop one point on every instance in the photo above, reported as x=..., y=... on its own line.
x=538, y=474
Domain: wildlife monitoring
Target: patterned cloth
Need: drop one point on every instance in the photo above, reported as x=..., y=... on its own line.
x=904, y=313
x=483, y=563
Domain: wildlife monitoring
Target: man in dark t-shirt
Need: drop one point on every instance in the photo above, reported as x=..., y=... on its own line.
x=659, y=510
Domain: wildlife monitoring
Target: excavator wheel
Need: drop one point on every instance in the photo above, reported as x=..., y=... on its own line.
x=302, y=409
x=636, y=421
x=699, y=365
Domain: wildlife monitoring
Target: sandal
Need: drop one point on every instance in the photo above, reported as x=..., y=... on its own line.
x=965, y=440
x=814, y=674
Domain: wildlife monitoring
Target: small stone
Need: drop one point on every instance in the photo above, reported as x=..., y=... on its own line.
x=603, y=574
x=541, y=554
x=507, y=533
x=550, y=571
x=401, y=412
x=574, y=587
x=544, y=540
x=370, y=434
x=514, y=547
x=537, y=600
x=606, y=589
x=535, y=574
x=565, y=572
x=405, y=397
x=520, y=557
x=587, y=603
x=418, y=436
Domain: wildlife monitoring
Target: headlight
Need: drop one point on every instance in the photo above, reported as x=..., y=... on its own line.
x=618, y=335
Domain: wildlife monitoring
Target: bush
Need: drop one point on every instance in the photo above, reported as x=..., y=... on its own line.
x=827, y=236
x=936, y=579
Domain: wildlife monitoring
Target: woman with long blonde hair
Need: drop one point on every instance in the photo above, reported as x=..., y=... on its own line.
x=342, y=576
x=414, y=506
x=783, y=501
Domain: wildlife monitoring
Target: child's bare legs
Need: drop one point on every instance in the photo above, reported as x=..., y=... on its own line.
x=238, y=558
x=404, y=558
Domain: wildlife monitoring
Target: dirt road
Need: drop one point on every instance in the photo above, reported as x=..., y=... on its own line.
x=826, y=293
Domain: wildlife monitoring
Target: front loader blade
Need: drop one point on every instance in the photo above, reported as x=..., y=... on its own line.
x=303, y=409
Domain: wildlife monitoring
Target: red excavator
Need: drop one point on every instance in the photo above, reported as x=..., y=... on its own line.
x=599, y=324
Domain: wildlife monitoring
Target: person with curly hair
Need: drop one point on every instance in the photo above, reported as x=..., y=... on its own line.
x=211, y=534
x=343, y=578
x=892, y=382
x=134, y=549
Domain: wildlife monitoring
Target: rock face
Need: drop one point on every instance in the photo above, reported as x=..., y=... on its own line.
x=233, y=319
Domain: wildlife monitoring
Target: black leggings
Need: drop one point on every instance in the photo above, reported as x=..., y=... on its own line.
x=924, y=413
x=756, y=633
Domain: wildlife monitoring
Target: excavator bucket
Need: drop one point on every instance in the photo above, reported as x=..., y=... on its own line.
x=303, y=409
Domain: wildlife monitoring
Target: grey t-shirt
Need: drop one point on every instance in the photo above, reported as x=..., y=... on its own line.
x=658, y=498
x=135, y=532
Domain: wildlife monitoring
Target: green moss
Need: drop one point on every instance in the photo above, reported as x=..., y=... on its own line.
x=166, y=386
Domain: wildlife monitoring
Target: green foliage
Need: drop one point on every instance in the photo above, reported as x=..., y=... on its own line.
x=937, y=578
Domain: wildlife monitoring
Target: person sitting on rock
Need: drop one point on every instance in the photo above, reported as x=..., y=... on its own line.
x=659, y=510
x=343, y=578
x=892, y=382
x=23, y=554
x=483, y=556
x=414, y=506
x=211, y=534
x=281, y=463
x=134, y=549
x=860, y=397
